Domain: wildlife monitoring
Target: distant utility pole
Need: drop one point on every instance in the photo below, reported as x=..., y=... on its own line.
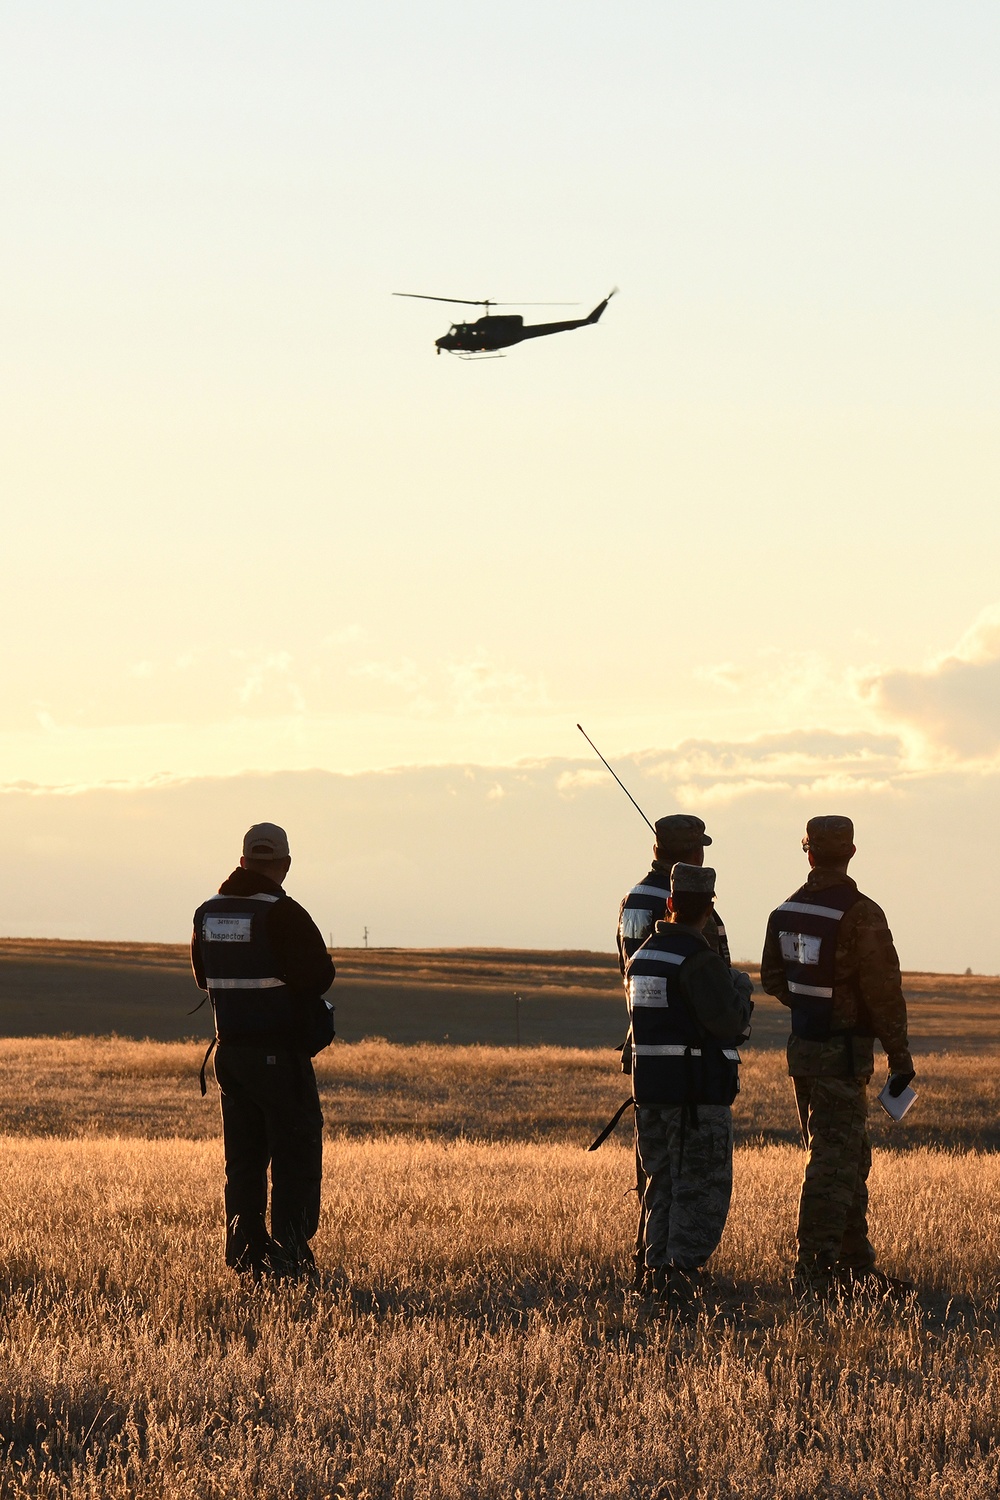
x=331, y=939
x=517, y=1017
x=366, y=937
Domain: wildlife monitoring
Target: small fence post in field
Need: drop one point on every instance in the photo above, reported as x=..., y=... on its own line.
x=517, y=1018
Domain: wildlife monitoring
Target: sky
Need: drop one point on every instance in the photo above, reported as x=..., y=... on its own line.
x=268, y=556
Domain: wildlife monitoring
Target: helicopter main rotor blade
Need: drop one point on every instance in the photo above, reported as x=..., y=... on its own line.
x=482, y=301
x=466, y=301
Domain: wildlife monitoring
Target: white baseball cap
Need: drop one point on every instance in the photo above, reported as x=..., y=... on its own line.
x=265, y=841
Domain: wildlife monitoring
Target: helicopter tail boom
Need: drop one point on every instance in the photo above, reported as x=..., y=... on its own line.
x=539, y=330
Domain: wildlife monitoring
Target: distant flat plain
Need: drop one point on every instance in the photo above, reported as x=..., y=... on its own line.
x=459, y=995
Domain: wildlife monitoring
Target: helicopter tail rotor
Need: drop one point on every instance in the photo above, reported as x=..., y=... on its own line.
x=595, y=316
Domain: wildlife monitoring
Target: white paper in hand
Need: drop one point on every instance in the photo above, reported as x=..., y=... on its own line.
x=896, y=1108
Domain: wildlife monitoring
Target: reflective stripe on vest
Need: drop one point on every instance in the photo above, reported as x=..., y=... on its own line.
x=244, y=984
x=805, y=929
x=642, y=908
x=812, y=910
x=668, y=1050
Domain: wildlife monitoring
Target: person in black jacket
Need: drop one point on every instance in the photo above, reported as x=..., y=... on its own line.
x=265, y=967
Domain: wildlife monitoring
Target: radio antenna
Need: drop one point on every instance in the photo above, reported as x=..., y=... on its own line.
x=621, y=783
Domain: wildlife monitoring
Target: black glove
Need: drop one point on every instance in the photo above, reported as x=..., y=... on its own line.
x=898, y=1082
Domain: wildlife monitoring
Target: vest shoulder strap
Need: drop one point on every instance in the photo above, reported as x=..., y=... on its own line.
x=831, y=902
x=663, y=953
x=256, y=896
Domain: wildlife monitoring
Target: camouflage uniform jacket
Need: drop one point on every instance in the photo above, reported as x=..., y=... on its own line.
x=868, y=996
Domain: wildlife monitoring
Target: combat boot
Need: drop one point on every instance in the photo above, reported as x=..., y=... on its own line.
x=657, y=1279
x=683, y=1288
x=814, y=1287
x=873, y=1283
x=676, y=1289
x=642, y=1280
x=266, y=1260
x=294, y=1261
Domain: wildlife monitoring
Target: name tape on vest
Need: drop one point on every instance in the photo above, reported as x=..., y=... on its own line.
x=227, y=929
x=648, y=989
x=799, y=947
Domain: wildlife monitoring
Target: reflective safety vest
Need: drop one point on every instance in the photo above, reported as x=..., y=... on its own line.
x=252, y=1005
x=805, y=928
x=674, y=1059
x=643, y=907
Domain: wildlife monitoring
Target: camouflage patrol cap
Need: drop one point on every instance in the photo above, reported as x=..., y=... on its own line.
x=694, y=879
x=831, y=835
x=680, y=831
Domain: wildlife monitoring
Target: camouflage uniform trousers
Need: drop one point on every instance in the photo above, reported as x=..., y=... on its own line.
x=689, y=1181
x=833, y=1204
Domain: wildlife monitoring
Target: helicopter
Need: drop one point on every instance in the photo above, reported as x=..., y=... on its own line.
x=489, y=333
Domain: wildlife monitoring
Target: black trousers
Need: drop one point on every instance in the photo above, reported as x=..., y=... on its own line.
x=270, y=1117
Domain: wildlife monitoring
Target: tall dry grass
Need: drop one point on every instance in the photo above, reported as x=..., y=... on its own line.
x=477, y=1343
x=113, y=1086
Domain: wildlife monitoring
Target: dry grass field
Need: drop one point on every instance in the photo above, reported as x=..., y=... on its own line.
x=476, y=1342
x=471, y=1337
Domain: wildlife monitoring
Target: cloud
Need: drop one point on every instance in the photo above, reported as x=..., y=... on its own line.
x=585, y=778
x=465, y=855
x=477, y=686
x=535, y=854
x=347, y=635
x=801, y=763
x=469, y=687
x=713, y=773
x=723, y=674
x=953, y=702
x=981, y=642
x=264, y=675
x=403, y=674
